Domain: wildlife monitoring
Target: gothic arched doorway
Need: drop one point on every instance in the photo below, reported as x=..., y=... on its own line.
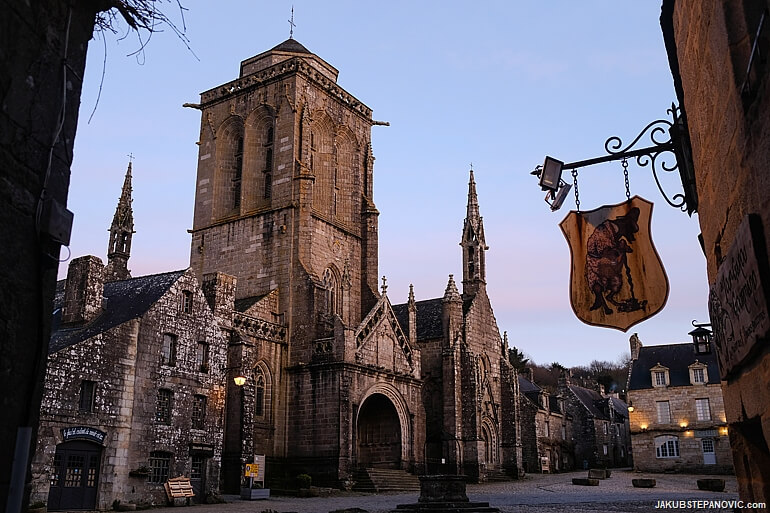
x=75, y=476
x=379, y=433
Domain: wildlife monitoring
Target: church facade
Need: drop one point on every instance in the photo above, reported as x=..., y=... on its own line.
x=282, y=293
x=337, y=376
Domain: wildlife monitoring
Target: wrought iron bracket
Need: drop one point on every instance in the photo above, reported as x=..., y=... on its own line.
x=666, y=137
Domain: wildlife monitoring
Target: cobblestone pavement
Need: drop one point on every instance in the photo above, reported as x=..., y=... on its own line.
x=533, y=494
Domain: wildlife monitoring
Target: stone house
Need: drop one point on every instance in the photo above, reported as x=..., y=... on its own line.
x=546, y=429
x=600, y=428
x=676, y=408
x=337, y=377
x=717, y=55
x=134, y=388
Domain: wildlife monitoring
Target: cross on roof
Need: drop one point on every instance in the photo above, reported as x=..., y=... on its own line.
x=130, y=157
x=291, y=24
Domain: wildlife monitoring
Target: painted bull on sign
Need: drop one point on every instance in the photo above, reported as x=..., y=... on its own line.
x=606, y=259
x=616, y=278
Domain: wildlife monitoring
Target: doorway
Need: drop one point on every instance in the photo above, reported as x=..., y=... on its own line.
x=709, y=454
x=379, y=433
x=75, y=476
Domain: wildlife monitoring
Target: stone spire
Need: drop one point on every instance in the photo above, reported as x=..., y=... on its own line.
x=121, y=232
x=412, y=311
x=451, y=293
x=473, y=244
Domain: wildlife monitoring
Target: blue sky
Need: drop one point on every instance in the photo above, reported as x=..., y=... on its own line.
x=496, y=84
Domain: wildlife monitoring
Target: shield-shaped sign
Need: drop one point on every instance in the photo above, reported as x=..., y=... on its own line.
x=617, y=278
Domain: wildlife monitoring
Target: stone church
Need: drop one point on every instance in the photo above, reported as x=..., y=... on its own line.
x=337, y=377
x=283, y=293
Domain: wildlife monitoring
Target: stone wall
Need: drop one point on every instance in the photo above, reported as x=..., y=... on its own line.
x=125, y=364
x=33, y=88
x=709, y=44
x=684, y=424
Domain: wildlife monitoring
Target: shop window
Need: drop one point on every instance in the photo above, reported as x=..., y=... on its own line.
x=666, y=446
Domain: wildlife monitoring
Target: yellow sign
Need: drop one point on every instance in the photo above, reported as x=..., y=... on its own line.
x=252, y=470
x=256, y=470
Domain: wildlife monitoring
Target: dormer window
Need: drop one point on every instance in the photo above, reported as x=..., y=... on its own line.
x=659, y=375
x=698, y=373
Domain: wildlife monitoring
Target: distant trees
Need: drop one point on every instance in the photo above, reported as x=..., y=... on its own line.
x=611, y=375
x=517, y=358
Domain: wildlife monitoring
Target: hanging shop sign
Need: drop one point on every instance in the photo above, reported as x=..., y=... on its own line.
x=738, y=298
x=617, y=279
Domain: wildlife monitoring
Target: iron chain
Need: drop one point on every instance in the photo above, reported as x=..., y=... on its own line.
x=625, y=176
x=577, y=195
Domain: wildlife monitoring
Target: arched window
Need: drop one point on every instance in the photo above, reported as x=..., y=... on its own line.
x=228, y=179
x=268, y=171
x=330, y=286
x=238, y=178
x=259, y=392
x=667, y=446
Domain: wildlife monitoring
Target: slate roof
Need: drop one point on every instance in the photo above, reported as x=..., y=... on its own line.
x=592, y=400
x=123, y=300
x=678, y=358
x=429, y=323
x=620, y=406
x=526, y=385
x=291, y=45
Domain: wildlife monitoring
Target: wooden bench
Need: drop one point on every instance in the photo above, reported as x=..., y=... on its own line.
x=179, y=488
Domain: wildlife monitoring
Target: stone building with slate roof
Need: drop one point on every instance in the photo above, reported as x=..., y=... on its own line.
x=677, y=412
x=338, y=378
x=546, y=429
x=600, y=428
x=134, y=388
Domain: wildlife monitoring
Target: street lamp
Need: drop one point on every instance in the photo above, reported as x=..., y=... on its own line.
x=240, y=380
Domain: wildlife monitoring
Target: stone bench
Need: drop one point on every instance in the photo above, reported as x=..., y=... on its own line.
x=585, y=481
x=643, y=483
x=598, y=473
x=711, y=485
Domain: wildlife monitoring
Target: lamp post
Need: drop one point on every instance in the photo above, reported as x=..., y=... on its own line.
x=240, y=380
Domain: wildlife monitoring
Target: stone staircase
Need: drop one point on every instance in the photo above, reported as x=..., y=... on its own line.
x=377, y=480
x=497, y=476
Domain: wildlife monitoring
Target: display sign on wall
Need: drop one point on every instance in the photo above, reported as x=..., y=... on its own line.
x=83, y=433
x=738, y=299
x=617, y=279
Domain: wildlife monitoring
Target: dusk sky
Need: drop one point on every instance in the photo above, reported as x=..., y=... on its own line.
x=496, y=84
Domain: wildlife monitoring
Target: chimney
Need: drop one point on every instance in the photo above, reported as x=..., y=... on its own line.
x=219, y=289
x=529, y=373
x=565, y=380
x=83, y=291
x=636, y=345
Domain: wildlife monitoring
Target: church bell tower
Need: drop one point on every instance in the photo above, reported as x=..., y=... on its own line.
x=284, y=192
x=473, y=244
x=121, y=233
